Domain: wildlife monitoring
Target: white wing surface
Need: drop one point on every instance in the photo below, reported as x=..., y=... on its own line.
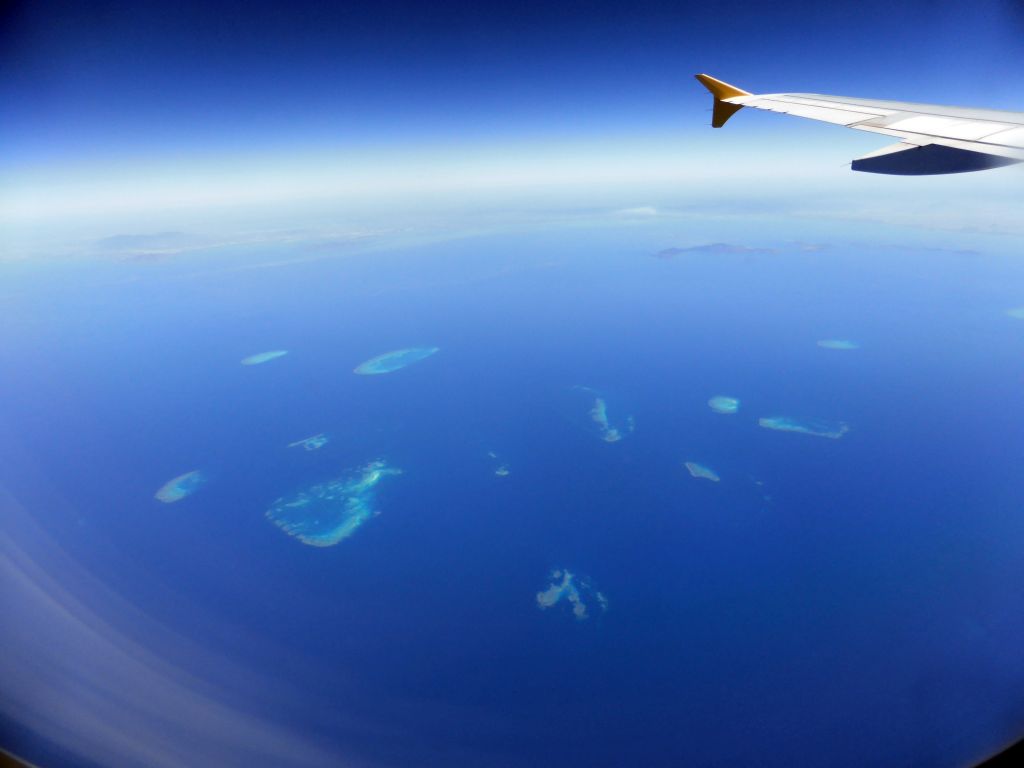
x=932, y=139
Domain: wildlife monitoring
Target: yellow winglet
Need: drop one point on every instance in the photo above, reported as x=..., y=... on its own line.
x=723, y=110
x=719, y=89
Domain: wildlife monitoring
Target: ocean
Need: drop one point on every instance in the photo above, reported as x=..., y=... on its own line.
x=846, y=602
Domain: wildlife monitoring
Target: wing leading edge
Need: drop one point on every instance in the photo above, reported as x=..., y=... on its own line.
x=933, y=139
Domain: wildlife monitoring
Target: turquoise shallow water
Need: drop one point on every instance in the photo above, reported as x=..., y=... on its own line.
x=856, y=597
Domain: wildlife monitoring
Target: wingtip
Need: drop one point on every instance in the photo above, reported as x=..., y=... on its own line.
x=720, y=89
x=723, y=109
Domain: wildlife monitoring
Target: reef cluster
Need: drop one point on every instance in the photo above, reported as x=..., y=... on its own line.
x=724, y=404
x=393, y=361
x=574, y=591
x=264, y=357
x=314, y=443
x=840, y=344
x=179, y=487
x=833, y=430
x=701, y=472
x=324, y=514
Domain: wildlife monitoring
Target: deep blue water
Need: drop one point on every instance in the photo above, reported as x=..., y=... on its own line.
x=837, y=602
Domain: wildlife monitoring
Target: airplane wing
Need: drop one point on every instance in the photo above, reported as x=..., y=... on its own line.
x=932, y=139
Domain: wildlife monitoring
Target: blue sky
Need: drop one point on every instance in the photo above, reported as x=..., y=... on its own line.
x=135, y=104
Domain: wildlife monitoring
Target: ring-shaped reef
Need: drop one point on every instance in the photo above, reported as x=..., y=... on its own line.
x=314, y=443
x=575, y=591
x=724, y=404
x=829, y=429
x=324, y=514
x=179, y=487
x=264, y=357
x=393, y=361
